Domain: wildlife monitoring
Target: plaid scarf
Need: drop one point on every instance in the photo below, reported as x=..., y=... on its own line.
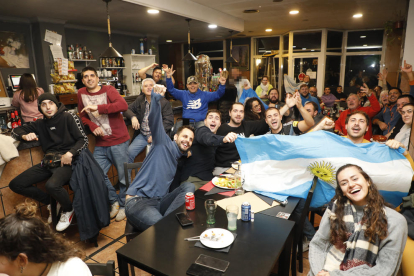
x=357, y=250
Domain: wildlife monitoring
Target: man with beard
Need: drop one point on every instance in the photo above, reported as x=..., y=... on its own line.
x=148, y=199
x=389, y=116
x=264, y=87
x=198, y=168
x=353, y=103
x=100, y=109
x=156, y=74
x=306, y=97
x=274, y=99
x=227, y=153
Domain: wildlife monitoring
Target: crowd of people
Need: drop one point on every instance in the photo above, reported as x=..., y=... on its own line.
x=182, y=158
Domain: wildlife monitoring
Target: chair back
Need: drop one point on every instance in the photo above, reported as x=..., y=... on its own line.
x=107, y=269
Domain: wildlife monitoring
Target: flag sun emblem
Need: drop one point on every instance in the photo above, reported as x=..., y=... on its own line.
x=324, y=171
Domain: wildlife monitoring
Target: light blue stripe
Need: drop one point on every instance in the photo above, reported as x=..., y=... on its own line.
x=393, y=197
x=318, y=144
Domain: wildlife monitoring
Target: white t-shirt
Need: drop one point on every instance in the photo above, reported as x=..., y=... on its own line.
x=73, y=266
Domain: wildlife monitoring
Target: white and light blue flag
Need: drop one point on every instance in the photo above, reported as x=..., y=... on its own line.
x=280, y=165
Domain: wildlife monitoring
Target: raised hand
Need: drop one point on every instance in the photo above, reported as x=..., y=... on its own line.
x=298, y=100
x=384, y=74
x=222, y=79
x=380, y=77
x=154, y=65
x=290, y=100
x=364, y=89
x=407, y=68
x=169, y=71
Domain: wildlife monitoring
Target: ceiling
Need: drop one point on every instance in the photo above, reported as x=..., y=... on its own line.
x=132, y=18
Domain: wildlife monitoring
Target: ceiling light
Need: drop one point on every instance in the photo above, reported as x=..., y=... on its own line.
x=312, y=50
x=269, y=30
x=358, y=15
x=231, y=59
x=294, y=46
x=153, y=11
x=189, y=56
x=303, y=48
x=294, y=12
x=168, y=40
x=110, y=51
x=212, y=26
x=250, y=11
x=365, y=45
x=363, y=36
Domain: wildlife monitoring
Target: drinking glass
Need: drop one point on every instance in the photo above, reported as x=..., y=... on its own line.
x=238, y=179
x=211, y=207
x=232, y=211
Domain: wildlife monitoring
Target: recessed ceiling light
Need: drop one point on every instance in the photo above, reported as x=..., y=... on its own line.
x=363, y=36
x=303, y=48
x=312, y=50
x=212, y=26
x=294, y=46
x=153, y=11
x=269, y=30
x=365, y=45
x=294, y=12
x=168, y=40
x=358, y=15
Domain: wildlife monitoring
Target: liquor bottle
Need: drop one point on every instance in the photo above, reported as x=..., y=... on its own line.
x=70, y=53
x=141, y=48
x=85, y=53
x=77, y=51
x=103, y=62
x=80, y=52
x=90, y=55
x=9, y=121
x=119, y=62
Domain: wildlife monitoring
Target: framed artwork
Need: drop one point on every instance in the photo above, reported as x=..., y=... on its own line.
x=13, y=51
x=241, y=54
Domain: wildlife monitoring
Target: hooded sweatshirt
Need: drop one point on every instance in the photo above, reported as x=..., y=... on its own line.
x=61, y=133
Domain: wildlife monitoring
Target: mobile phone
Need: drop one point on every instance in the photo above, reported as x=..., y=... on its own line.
x=199, y=270
x=213, y=263
x=184, y=219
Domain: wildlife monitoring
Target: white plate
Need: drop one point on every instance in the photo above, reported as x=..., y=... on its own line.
x=225, y=238
x=215, y=180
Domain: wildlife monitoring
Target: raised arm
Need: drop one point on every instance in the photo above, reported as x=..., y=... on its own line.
x=178, y=94
x=408, y=68
x=143, y=72
x=308, y=121
x=214, y=96
x=155, y=121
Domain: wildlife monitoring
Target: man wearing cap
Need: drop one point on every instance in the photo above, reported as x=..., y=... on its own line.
x=195, y=102
x=61, y=135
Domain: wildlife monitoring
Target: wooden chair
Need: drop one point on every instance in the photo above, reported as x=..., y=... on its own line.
x=107, y=269
x=297, y=250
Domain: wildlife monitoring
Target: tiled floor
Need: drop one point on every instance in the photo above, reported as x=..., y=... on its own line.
x=111, y=238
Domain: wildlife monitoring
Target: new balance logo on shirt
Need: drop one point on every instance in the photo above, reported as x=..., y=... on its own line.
x=194, y=104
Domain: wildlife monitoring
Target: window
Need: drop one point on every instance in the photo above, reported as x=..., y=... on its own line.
x=334, y=43
x=286, y=43
x=359, y=70
x=363, y=41
x=307, y=42
x=267, y=45
x=332, y=70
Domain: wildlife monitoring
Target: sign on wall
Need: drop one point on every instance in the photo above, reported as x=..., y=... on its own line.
x=13, y=51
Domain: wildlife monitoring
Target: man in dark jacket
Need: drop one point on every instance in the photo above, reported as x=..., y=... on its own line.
x=198, y=168
x=138, y=112
x=59, y=133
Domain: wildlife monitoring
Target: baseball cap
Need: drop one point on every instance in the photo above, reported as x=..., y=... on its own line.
x=191, y=79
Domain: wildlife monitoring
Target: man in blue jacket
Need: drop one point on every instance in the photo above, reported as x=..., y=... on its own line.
x=306, y=97
x=148, y=199
x=195, y=102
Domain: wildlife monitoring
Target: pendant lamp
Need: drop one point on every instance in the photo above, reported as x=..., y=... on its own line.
x=110, y=52
x=231, y=59
x=189, y=56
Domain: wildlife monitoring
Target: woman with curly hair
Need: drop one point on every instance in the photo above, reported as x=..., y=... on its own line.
x=28, y=247
x=358, y=234
x=253, y=110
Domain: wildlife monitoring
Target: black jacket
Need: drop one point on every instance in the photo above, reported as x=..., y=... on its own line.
x=91, y=201
x=61, y=133
x=137, y=109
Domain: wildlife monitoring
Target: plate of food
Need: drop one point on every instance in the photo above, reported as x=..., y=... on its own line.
x=226, y=182
x=216, y=238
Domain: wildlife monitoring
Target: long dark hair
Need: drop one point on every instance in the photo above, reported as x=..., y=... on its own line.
x=249, y=115
x=22, y=232
x=28, y=86
x=374, y=217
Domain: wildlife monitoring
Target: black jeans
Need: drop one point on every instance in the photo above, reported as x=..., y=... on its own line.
x=57, y=177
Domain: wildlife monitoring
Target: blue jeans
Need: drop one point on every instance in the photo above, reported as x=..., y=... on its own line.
x=137, y=145
x=143, y=212
x=106, y=156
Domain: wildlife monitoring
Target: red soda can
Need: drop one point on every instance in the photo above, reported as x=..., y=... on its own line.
x=189, y=201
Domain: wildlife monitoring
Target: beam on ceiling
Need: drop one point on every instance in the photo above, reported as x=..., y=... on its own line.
x=189, y=9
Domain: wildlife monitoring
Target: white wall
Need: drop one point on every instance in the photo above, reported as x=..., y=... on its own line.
x=409, y=37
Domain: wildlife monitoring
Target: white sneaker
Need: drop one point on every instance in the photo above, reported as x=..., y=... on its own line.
x=65, y=220
x=121, y=215
x=49, y=207
x=305, y=244
x=114, y=210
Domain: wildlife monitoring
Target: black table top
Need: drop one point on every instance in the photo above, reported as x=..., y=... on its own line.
x=161, y=249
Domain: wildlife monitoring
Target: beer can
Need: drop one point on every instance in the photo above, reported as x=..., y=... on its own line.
x=189, y=201
x=246, y=211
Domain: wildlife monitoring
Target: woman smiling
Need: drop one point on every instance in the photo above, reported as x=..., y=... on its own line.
x=358, y=234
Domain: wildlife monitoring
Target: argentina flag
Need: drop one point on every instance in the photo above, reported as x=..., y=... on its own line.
x=279, y=165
